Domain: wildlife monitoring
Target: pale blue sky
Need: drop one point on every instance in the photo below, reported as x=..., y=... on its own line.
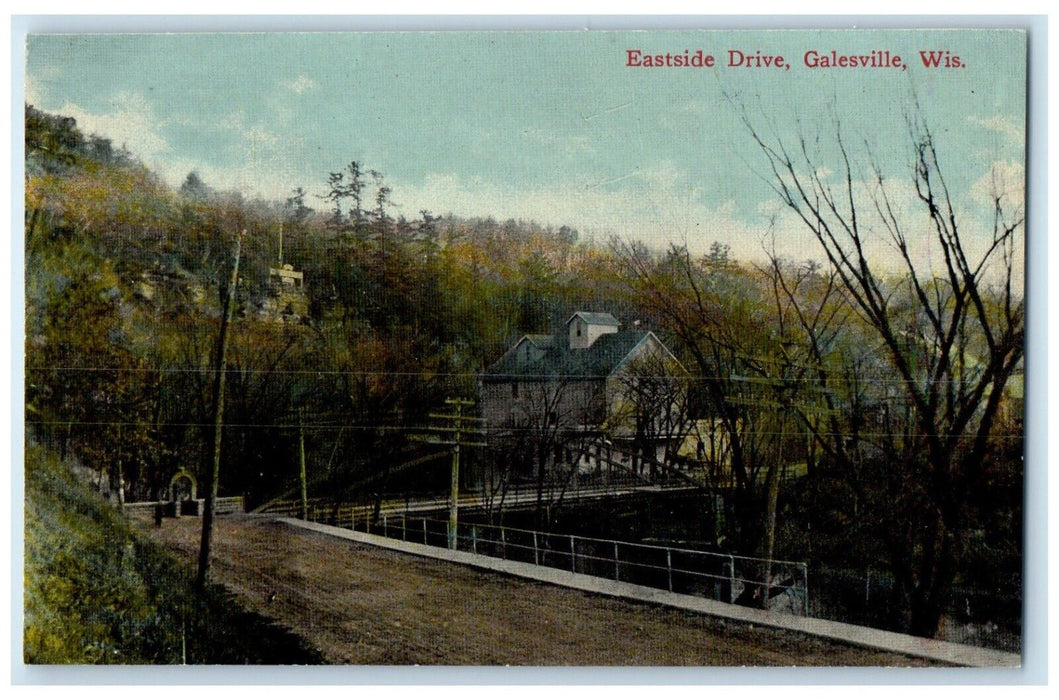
x=546, y=126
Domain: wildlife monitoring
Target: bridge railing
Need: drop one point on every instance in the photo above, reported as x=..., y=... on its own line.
x=718, y=576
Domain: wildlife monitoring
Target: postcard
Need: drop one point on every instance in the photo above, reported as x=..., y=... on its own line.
x=663, y=348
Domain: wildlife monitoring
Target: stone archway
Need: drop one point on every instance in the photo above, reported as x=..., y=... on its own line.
x=189, y=492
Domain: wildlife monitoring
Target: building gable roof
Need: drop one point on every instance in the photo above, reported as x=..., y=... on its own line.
x=558, y=361
x=594, y=318
x=538, y=340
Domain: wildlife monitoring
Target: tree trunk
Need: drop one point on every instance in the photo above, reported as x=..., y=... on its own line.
x=772, y=485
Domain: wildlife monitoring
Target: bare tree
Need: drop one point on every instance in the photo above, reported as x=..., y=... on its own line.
x=951, y=335
x=651, y=398
x=547, y=417
x=822, y=357
x=718, y=313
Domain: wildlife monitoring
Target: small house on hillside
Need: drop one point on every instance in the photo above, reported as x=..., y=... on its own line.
x=592, y=378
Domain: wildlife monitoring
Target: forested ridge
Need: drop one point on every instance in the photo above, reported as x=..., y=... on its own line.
x=124, y=290
x=125, y=278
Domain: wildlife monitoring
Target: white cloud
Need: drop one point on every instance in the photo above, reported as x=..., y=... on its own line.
x=651, y=205
x=264, y=176
x=130, y=122
x=795, y=241
x=569, y=145
x=301, y=85
x=257, y=162
x=260, y=166
x=662, y=205
x=33, y=95
x=1006, y=180
x=1001, y=125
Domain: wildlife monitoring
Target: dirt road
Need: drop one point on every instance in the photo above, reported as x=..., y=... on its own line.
x=362, y=605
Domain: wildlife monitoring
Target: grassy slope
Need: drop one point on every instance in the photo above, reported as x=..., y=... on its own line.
x=98, y=593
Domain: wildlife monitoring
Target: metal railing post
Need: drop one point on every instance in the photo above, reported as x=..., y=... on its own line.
x=731, y=579
x=805, y=592
x=643, y=557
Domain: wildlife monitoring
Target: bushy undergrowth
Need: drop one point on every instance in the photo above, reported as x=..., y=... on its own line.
x=96, y=592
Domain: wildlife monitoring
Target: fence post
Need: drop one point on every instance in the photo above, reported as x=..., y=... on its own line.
x=424, y=530
x=385, y=529
x=474, y=538
x=503, y=541
x=731, y=579
x=404, y=527
x=573, y=561
x=616, y=577
x=805, y=582
x=536, y=558
x=669, y=567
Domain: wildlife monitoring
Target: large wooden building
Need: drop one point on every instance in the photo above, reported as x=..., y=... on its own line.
x=591, y=377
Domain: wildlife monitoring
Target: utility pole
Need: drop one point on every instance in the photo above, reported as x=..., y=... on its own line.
x=301, y=456
x=457, y=432
x=454, y=487
x=212, y=477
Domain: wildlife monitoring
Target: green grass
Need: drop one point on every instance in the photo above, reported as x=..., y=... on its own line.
x=97, y=592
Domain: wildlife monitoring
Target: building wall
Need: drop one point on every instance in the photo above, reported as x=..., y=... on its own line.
x=581, y=403
x=571, y=404
x=588, y=333
x=650, y=357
